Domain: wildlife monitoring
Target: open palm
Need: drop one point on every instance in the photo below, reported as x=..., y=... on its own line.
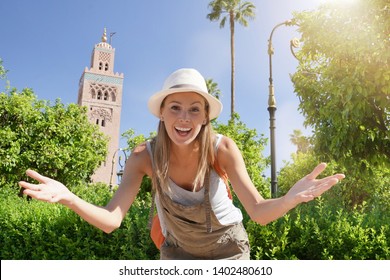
x=47, y=190
x=309, y=187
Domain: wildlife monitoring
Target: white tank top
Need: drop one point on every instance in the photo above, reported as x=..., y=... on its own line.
x=221, y=204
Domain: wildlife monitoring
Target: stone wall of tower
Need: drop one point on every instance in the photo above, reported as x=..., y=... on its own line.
x=100, y=90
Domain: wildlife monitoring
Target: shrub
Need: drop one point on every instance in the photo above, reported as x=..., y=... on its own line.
x=53, y=139
x=38, y=230
x=321, y=231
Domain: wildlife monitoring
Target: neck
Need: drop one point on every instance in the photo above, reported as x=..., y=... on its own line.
x=185, y=153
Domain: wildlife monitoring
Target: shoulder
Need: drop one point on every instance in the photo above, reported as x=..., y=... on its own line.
x=226, y=144
x=140, y=158
x=227, y=152
x=140, y=150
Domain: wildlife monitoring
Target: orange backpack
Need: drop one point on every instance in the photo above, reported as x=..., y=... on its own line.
x=156, y=232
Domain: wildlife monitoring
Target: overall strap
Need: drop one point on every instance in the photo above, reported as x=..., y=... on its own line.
x=207, y=202
x=149, y=147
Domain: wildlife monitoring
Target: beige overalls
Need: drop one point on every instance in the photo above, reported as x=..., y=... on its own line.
x=194, y=232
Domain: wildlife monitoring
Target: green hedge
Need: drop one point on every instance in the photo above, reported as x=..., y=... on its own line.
x=317, y=230
x=38, y=230
x=322, y=231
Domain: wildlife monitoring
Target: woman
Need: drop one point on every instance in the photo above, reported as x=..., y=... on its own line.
x=197, y=216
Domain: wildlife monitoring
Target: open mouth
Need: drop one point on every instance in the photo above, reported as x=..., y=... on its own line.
x=183, y=131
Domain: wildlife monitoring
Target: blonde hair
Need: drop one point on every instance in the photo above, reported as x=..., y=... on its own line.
x=162, y=149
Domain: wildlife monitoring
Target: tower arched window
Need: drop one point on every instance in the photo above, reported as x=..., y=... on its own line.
x=103, y=122
x=93, y=94
x=113, y=97
x=99, y=95
x=106, y=67
x=106, y=96
x=97, y=121
x=100, y=65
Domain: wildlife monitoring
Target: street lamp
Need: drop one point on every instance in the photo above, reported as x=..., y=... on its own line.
x=121, y=164
x=272, y=104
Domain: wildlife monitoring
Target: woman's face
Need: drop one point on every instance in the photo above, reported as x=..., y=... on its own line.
x=184, y=114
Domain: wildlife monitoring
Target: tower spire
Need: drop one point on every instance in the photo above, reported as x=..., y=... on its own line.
x=104, y=37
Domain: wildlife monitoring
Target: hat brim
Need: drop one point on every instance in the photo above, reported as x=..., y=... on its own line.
x=154, y=102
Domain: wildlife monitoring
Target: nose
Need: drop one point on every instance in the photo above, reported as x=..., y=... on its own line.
x=184, y=117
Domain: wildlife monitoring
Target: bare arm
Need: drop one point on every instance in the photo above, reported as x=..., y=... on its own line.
x=105, y=218
x=263, y=210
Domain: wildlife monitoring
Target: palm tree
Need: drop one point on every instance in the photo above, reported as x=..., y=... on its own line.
x=213, y=88
x=234, y=11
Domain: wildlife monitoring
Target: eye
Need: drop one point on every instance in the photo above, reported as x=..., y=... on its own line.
x=195, y=110
x=175, y=108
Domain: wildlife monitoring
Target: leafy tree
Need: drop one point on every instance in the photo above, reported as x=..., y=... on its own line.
x=56, y=140
x=134, y=140
x=3, y=72
x=343, y=81
x=299, y=140
x=232, y=11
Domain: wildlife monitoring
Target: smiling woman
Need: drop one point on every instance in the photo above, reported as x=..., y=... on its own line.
x=188, y=164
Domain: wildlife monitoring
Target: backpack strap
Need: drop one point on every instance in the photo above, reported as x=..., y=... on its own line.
x=222, y=174
x=224, y=177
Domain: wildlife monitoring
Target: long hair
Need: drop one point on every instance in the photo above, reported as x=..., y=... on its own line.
x=162, y=150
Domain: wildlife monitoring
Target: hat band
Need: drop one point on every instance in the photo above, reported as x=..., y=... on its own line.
x=186, y=86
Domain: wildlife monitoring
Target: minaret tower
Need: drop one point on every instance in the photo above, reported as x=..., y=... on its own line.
x=100, y=90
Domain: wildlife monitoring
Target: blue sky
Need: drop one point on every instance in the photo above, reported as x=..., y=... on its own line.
x=46, y=44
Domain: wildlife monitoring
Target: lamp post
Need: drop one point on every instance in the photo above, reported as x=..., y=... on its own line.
x=121, y=164
x=272, y=105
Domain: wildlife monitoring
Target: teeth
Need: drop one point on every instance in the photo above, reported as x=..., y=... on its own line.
x=183, y=129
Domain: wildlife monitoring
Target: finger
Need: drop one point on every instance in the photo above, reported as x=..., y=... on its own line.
x=44, y=196
x=325, y=185
x=317, y=171
x=338, y=177
x=26, y=185
x=35, y=175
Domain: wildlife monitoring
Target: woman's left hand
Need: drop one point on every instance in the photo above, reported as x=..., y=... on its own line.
x=309, y=187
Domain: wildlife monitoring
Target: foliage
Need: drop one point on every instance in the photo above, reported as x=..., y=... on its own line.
x=347, y=101
x=343, y=82
x=302, y=142
x=331, y=227
x=319, y=231
x=134, y=140
x=213, y=89
x=235, y=10
x=56, y=140
x=41, y=231
x=3, y=72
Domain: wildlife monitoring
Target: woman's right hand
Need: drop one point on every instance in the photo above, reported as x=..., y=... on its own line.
x=47, y=190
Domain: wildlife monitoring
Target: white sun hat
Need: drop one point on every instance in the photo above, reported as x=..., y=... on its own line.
x=184, y=80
